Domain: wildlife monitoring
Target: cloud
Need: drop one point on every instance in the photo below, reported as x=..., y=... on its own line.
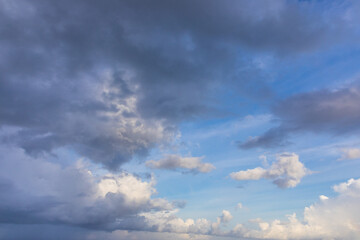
x=45, y=232
x=166, y=221
x=287, y=171
x=73, y=198
x=226, y=216
x=239, y=206
x=173, y=162
x=323, y=197
x=112, y=80
x=350, y=154
x=109, y=81
x=324, y=111
x=94, y=118
x=272, y=138
x=45, y=192
x=76, y=202
x=330, y=218
x=37, y=191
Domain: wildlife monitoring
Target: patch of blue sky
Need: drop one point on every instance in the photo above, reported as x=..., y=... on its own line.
x=316, y=71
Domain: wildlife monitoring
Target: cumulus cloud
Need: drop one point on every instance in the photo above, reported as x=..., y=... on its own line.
x=287, y=171
x=226, y=216
x=330, y=218
x=173, y=162
x=350, y=154
x=38, y=191
x=166, y=221
x=221, y=220
x=323, y=111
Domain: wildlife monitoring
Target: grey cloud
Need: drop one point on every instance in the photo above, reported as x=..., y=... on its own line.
x=56, y=232
x=99, y=77
x=36, y=191
x=272, y=138
x=174, y=162
x=334, y=112
x=331, y=217
x=42, y=232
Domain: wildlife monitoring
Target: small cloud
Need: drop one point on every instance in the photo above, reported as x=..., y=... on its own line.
x=173, y=162
x=350, y=154
x=225, y=216
x=239, y=206
x=250, y=174
x=323, y=198
x=286, y=172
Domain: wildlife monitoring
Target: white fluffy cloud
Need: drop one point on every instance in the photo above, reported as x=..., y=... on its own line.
x=226, y=216
x=173, y=162
x=330, y=218
x=350, y=154
x=166, y=221
x=285, y=172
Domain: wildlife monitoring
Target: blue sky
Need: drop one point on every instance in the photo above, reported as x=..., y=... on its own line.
x=179, y=119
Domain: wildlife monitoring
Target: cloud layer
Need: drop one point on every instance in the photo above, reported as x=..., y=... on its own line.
x=111, y=80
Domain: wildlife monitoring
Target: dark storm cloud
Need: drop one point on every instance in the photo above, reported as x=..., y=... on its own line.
x=111, y=79
x=325, y=111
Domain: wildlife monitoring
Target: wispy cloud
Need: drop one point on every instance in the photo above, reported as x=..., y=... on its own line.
x=350, y=154
x=174, y=162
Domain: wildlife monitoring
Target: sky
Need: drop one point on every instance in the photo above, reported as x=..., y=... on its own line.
x=167, y=119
